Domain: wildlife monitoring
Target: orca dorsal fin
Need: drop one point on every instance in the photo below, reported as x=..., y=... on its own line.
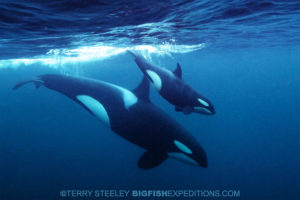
x=178, y=71
x=142, y=90
x=151, y=159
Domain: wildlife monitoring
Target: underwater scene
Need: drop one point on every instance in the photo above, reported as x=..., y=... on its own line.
x=174, y=99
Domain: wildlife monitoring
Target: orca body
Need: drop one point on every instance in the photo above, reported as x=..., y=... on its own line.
x=172, y=88
x=131, y=115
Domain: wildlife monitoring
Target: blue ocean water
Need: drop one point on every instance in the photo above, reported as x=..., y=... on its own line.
x=242, y=55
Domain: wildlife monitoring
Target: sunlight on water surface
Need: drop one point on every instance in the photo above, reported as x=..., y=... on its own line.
x=58, y=57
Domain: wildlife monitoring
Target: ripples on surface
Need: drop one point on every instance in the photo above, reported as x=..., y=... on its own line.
x=33, y=28
x=58, y=57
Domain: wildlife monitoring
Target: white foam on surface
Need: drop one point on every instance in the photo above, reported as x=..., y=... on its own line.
x=56, y=58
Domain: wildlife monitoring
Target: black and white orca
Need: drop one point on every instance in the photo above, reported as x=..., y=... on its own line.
x=131, y=115
x=172, y=88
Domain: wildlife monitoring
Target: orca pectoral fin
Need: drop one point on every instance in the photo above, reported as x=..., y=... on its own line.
x=151, y=159
x=187, y=110
x=37, y=82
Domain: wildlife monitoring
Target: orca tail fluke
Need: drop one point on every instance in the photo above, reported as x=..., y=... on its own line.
x=37, y=83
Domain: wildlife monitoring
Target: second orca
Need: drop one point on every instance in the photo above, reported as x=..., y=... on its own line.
x=172, y=88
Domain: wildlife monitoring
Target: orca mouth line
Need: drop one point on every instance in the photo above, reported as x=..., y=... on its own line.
x=203, y=110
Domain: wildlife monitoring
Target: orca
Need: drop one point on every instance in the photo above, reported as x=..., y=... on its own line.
x=131, y=115
x=172, y=88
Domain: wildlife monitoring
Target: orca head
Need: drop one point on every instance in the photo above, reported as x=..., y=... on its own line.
x=193, y=155
x=203, y=106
